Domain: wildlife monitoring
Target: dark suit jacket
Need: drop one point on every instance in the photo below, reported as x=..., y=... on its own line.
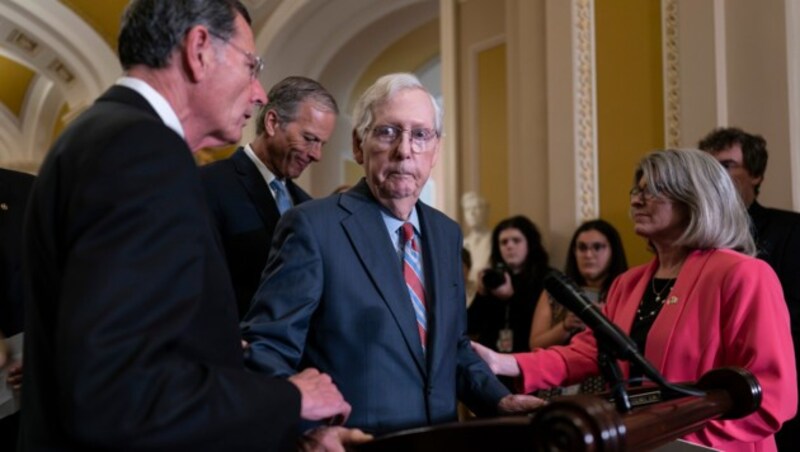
x=245, y=213
x=777, y=235
x=14, y=190
x=333, y=297
x=131, y=334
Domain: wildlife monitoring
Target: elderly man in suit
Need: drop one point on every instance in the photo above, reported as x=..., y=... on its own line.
x=367, y=285
x=131, y=333
x=248, y=192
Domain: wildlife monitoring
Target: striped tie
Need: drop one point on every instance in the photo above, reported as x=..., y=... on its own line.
x=411, y=273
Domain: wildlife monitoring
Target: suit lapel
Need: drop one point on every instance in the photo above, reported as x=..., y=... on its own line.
x=298, y=194
x=367, y=233
x=253, y=182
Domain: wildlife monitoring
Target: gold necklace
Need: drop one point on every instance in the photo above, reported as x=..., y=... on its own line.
x=668, y=285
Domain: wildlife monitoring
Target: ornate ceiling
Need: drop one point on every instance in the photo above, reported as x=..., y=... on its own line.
x=56, y=56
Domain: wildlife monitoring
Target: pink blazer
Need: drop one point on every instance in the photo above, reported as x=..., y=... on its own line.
x=726, y=309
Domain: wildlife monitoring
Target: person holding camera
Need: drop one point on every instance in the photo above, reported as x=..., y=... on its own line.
x=501, y=312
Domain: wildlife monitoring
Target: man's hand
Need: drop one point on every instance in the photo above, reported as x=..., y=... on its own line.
x=331, y=439
x=320, y=399
x=499, y=363
x=4, y=352
x=14, y=379
x=519, y=403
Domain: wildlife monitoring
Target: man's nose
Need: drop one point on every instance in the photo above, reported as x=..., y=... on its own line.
x=315, y=151
x=258, y=95
x=404, y=145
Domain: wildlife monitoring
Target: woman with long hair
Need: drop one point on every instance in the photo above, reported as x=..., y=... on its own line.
x=500, y=315
x=595, y=258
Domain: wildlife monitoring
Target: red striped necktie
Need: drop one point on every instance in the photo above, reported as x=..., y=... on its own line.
x=411, y=272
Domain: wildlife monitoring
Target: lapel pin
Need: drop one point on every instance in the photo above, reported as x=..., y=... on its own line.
x=672, y=300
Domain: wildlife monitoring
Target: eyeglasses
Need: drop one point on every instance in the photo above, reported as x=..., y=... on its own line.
x=596, y=247
x=647, y=192
x=255, y=62
x=388, y=136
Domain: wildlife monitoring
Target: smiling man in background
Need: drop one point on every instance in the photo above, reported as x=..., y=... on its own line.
x=248, y=192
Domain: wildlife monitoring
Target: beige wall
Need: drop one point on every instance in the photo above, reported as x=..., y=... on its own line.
x=480, y=55
x=594, y=85
x=490, y=129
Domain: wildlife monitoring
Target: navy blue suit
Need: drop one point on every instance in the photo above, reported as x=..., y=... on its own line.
x=333, y=297
x=132, y=339
x=245, y=213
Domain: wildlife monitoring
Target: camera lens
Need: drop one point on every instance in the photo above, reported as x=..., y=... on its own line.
x=493, y=278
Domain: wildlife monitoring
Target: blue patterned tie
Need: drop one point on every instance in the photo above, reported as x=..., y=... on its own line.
x=281, y=196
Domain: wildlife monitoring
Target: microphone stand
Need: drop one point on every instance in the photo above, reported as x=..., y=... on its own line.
x=609, y=368
x=609, y=352
x=612, y=344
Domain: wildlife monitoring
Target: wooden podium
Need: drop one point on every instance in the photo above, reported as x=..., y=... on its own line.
x=591, y=423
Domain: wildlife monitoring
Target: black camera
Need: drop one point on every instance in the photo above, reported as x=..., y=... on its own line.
x=494, y=277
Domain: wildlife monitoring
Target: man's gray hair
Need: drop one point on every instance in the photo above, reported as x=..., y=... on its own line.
x=383, y=90
x=717, y=215
x=152, y=29
x=286, y=96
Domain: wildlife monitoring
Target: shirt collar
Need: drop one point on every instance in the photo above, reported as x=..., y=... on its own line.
x=393, y=224
x=262, y=168
x=156, y=100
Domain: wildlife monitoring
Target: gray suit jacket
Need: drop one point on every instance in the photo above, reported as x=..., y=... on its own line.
x=333, y=297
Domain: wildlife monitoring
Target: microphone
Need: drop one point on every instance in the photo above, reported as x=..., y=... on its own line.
x=565, y=292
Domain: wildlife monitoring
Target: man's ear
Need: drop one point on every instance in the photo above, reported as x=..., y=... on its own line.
x=358, y=152
x=198, y=52
x=271, y=123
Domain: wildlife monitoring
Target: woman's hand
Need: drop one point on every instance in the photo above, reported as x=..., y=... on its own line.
x=499, y=363
x=505, y=290
x=572, y=323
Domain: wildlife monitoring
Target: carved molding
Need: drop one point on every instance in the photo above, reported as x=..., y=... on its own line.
x=585, y=110
x=672, y=91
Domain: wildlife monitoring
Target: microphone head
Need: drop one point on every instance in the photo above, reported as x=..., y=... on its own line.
x=564, y=290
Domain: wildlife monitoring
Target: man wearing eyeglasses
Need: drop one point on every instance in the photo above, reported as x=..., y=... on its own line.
x=775, y=231
x=248, y=192
x=367, y=285
x=132, y=339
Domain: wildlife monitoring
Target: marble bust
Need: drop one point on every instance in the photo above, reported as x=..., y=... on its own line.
x=477, y=236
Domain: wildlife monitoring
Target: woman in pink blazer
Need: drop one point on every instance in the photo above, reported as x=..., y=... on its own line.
x=703, y=302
